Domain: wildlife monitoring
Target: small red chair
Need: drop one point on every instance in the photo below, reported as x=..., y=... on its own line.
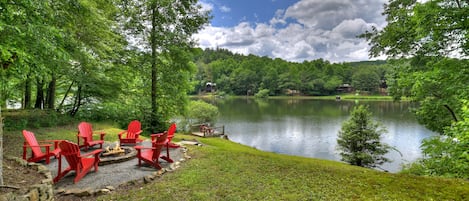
x=36, y=148
x=134, y=129
x=171, y=132
x=152, y=154
x=85, y=131
x=81, y=164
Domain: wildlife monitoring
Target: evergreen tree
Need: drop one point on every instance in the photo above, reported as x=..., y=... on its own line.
x=359, y=140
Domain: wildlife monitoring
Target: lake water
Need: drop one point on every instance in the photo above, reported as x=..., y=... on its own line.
x=309, y=128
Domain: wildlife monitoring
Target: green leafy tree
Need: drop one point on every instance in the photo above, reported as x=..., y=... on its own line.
x=365, y=79
x=359, y=140
x=446, y=155
x=427, y=32
x=164, y=30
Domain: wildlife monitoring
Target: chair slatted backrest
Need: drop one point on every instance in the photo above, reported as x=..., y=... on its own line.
x=71, y=152
x=134, y=127
x=159, y=143
x=171, y=130
x=30, y=139
x=86, y=131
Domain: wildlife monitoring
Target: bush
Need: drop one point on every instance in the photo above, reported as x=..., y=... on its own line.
x=22, y=119
x=263, y=93
x=202, y=112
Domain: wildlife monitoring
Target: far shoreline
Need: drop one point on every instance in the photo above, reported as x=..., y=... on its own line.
x=345, y=97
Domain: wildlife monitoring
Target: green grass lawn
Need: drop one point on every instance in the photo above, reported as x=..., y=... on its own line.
x=224, y=170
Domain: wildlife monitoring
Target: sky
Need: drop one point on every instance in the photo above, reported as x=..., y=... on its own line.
x=293, y=30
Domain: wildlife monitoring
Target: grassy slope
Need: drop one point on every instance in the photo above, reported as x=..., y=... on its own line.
x=223, y=170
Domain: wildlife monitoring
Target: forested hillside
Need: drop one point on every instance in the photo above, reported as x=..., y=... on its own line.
x=246, y=75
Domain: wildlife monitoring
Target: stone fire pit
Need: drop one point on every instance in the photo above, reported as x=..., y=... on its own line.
x=125, y=153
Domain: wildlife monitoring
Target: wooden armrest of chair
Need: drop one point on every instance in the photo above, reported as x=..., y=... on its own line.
x=101, y=134
x=157, y=135
x=56, y=142
x=95, y=152
x=142, y=147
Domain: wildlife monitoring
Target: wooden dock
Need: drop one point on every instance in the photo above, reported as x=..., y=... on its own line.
x=203, y=130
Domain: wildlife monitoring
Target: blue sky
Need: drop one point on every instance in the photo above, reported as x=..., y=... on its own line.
x=229, y=13
x=294, y=30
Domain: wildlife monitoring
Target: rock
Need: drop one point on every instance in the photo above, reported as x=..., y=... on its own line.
x=103, y=191
x=111, y=188
x=147, y=179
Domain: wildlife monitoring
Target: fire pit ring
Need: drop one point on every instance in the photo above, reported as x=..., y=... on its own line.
x=129, y=154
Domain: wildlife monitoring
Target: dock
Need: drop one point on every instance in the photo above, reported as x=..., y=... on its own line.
x=203, y=130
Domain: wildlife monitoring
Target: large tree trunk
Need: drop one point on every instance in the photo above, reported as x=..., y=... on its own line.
x=27, y=93
x=50, y=97
x=1, y=147
x=154, y=105
x=39, y=94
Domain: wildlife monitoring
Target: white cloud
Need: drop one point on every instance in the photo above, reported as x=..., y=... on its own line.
x=206, y=6
x=308, y=30
x=225, y=9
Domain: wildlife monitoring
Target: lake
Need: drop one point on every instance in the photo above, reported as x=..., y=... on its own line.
x=307, y=127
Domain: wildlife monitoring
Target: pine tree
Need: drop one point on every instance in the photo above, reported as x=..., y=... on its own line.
x=359, y=140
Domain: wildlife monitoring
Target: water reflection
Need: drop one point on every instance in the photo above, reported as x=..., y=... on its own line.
x=309, y=127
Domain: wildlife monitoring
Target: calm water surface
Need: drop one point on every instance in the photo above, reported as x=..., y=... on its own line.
x=309, y=127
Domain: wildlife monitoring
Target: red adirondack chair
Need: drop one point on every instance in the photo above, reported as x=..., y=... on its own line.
x=132, y=133
x=171, y=131
x=85, y=131
x=151, y=154
x=36, y=148
x=81, y=164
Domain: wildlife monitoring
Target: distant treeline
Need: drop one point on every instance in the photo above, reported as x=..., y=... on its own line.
x=238, y=74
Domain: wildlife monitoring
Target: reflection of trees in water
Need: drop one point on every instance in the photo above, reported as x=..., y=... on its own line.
x=255, y=109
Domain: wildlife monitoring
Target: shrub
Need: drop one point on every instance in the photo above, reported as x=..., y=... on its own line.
x=22, y=119
x=263, y=93
x=202, y=112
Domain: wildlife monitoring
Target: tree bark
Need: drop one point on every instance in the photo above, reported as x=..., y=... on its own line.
x=77, y=103
x=65, y=96
x=39, y=94
x=1, y=148
x=451, y=112
x=50, y=98
x=27, y=93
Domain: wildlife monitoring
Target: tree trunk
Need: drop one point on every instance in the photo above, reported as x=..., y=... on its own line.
x=27, y=93
x=153, y=43
x=65, y=96
x=39, y=94
x=453, y=115
x=50, y=97
x=77, y=103
x=1, y=147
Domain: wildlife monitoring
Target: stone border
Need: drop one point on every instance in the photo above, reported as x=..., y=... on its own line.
x=41, y=191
